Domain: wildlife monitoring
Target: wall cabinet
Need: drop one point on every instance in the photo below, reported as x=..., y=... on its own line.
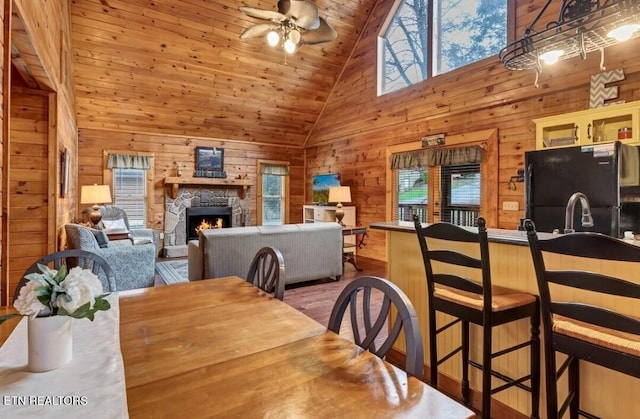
x=327, y=214
x=589, y=127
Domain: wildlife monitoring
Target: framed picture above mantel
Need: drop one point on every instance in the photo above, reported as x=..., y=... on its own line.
x=209, y=162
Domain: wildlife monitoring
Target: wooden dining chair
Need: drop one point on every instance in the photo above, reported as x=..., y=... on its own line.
x=450, y=291
x=71, y=258
x=267, y=271
x=580, y=329
x=367, y=322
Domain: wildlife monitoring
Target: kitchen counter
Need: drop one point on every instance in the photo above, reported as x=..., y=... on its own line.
x=511, y=266
x=496, y=235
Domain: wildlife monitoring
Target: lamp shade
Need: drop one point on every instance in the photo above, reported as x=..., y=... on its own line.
x=95, y=194
x=339, y=194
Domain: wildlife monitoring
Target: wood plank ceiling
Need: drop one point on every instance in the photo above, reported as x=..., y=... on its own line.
x=178, y=67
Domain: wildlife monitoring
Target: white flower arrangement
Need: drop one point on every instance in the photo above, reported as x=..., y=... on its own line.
x=77, y=294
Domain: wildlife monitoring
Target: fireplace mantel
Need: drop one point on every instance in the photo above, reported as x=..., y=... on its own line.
x=175, y=182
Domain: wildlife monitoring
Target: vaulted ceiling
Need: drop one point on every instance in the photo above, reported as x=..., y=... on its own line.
x=178, y=67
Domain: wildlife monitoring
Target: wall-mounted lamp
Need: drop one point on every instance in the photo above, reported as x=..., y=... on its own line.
x=518, y=178
x=583, y=26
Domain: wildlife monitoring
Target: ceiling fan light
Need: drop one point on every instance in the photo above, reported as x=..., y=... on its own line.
x=273, y=38
x=295, y=36
x=289, y=46
x=624, y=32
x=551, y=56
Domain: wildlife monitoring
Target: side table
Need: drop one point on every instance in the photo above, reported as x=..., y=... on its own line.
x=349, y=256
x=117, y=234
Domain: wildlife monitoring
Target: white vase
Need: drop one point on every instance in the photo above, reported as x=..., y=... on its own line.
x=50, y=342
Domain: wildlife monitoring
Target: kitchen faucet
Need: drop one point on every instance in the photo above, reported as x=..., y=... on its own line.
x=587, y=219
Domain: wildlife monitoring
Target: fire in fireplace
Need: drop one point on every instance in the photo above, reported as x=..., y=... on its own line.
x=207, y=217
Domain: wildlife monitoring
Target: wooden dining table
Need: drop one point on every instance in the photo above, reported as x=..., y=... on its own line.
x=223, y=348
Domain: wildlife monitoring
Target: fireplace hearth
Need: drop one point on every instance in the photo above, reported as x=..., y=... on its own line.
x=195, y=217
x=223, y=203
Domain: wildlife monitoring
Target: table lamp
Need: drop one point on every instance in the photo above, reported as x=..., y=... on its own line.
x=339, y=194
x=95, y=194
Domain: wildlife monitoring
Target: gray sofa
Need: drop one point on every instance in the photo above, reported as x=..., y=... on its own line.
x=133, y=265
x=311, y=251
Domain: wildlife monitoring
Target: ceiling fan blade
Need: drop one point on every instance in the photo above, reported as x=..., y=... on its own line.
x=302, y=13
x=324, y=33
x=256, y=31
x=263, y=14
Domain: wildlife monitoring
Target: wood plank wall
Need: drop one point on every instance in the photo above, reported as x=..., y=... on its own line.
x=43, y=123
x=5, y=65
x=356, y=126
x=178, y=67
x=28, y=182
x=240, y=158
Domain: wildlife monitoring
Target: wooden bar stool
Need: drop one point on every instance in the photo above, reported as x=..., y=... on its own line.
x=579, y=329
x=478, y=303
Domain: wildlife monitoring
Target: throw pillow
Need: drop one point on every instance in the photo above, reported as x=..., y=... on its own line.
x=101, y=237
x=117, y=224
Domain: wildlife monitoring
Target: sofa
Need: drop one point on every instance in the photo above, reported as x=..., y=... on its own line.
x=133, y=265
x=311, y=251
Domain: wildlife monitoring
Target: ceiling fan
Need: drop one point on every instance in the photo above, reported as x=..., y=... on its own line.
x=295, y=23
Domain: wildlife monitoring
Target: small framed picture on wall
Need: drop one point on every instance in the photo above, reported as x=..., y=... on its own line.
x=209, y=161
x=64, y=172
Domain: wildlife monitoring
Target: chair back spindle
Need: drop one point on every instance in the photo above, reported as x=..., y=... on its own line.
x=267, y=271
x=367, y=324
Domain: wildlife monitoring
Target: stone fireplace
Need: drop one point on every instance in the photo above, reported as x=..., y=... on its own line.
x=193, y=203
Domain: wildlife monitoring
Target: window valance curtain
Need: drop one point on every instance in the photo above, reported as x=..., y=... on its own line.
x=449, y=156
x=454, y=155
x=409, y=160
x=126, y=161
x=274, y=169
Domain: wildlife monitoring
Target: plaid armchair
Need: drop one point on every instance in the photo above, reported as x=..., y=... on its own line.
x=133, y=265
x=117, y=217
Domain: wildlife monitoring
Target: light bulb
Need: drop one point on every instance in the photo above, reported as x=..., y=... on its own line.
x=551, y=57
x=624, y=32
x=295, y=36
x=273, y=38
x=289, y=46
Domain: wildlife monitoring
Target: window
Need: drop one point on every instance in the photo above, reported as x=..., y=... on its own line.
x=459, y=179
x=272, y=199
x=130, y=193
x=456, y=32
x=273, y=188
x=460, y=187
x=411, y=194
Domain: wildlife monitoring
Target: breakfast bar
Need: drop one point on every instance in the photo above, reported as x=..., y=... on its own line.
x=604, y=393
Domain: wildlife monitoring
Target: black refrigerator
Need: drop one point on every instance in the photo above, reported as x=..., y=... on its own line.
x=553, y=175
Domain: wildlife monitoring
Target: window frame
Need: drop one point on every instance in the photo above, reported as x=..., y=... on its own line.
x=430, y=60
x=107, y=179
x=133, y=220
x=489, y=186
x=446, y=207
x=259, y=191
x=421, y=208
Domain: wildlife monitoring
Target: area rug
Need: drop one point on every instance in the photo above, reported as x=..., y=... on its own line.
x=173, y=271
